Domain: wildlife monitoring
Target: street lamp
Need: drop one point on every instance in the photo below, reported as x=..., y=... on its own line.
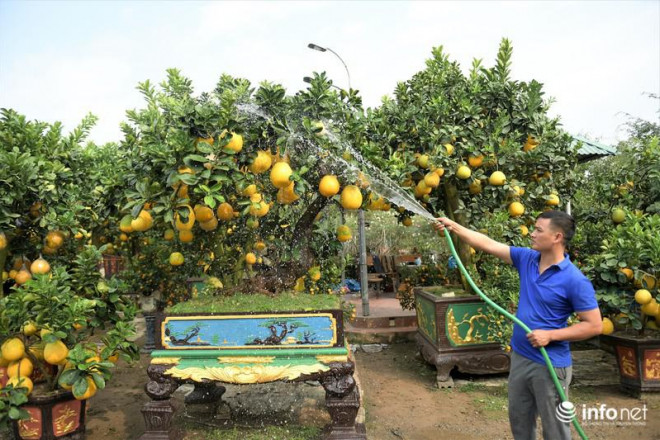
x=324, y=49
x=364, y=287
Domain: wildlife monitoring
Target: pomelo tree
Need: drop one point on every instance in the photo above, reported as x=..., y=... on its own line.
x=618, y=244
x=479, y=147
x=226, y=183
x=56, y=191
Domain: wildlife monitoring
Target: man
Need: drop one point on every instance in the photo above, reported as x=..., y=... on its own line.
x=551, y=289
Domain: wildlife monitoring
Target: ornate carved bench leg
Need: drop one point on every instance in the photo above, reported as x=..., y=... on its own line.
x=158, y=413
x=342, y=398
x=204, y=404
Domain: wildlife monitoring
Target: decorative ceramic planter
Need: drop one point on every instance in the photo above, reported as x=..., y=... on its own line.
x=57, y=415
x=248, y=348
x=453, y=332
x=638, y=359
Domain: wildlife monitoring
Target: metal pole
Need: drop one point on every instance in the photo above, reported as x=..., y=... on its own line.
x=345, y=67
x=364, y=288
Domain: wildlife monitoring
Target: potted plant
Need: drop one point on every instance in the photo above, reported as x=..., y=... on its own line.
x=61, y=333
x=619, y=248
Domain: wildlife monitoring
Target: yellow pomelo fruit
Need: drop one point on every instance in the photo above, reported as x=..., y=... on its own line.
x=252, y=223
x=125, y=224
x=439, y=171
x=463, y=172
x=280, y=175
x=21, y=382
x=203, y=213
x=618, y=215
x=407, y=221
x=91, y=390
x=225, y=212
x=287, y=195
x=186, y=236
x=210, y=225
x=524, y=230
x=449, y=148
x=351, y=197
x=497, y=178
x=29, y=329
x=260, y=246
x=249, y=190
x=651, y=308
x=250, y=258
x=123, y=237
x=39, y=266
x=176, y=259
x=188, y=225
x=261, y=163
x=643, y=296
x=146, y=216
x=139, y=224
x=516, y=209
x=55, y=352
x=259, y=209
x=169, y=235
x=12, y=349
x=314, y=273
x=423, y=161
x=329, y=186
x=608, y=326
x=344, y=233
x=55, y=239
x=627, y=272
x=3, y=241
x=22, y=276
x=476, y=161
x=22, y=367
x=235, y=143
x=432, y=180
x=553, y=200
x=475, y=187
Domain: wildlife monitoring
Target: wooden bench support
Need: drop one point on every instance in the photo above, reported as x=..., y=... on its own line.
x=341, y=396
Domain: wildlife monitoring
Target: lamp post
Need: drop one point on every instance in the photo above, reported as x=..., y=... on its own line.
x=364, y=288
x=324, y=49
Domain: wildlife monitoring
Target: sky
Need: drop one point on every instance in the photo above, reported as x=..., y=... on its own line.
x=61, y=60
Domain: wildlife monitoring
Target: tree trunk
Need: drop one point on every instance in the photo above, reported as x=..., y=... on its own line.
x=463, y=249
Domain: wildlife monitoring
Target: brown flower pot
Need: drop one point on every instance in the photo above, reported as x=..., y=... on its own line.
x=56, y=415
x=638, y=359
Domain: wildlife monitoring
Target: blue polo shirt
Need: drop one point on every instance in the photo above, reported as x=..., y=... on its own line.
x=546, y=302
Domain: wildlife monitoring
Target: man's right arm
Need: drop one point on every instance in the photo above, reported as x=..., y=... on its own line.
x=476, y=239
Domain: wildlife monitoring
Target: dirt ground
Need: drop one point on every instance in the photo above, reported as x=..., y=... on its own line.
x=400, y=399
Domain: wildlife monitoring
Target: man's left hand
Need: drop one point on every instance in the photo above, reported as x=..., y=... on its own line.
x=539, y=338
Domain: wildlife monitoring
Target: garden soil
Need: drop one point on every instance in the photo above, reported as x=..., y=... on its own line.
x=401, y=401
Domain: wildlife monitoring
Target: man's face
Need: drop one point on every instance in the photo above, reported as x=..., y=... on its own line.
x=544, y=236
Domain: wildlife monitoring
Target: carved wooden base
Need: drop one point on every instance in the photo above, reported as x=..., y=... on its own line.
x=158, y=420
x=342, y=399
x=475, y=360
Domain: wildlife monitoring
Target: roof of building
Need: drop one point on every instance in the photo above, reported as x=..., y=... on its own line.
x=592, y=150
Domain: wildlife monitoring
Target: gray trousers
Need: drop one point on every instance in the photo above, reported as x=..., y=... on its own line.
x=532, y=393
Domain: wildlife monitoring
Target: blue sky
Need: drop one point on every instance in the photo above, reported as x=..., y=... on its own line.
x=60, y=60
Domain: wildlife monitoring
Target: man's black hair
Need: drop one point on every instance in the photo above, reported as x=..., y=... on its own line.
x=562, y=221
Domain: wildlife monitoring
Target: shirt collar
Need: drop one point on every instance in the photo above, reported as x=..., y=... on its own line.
x=563, y=264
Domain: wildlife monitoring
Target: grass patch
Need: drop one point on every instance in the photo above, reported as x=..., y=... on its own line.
x=492, y=402
x=266, y=433
x=439, y=290
x=285, y=302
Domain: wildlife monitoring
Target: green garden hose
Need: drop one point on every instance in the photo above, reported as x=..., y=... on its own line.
x=490, y=302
